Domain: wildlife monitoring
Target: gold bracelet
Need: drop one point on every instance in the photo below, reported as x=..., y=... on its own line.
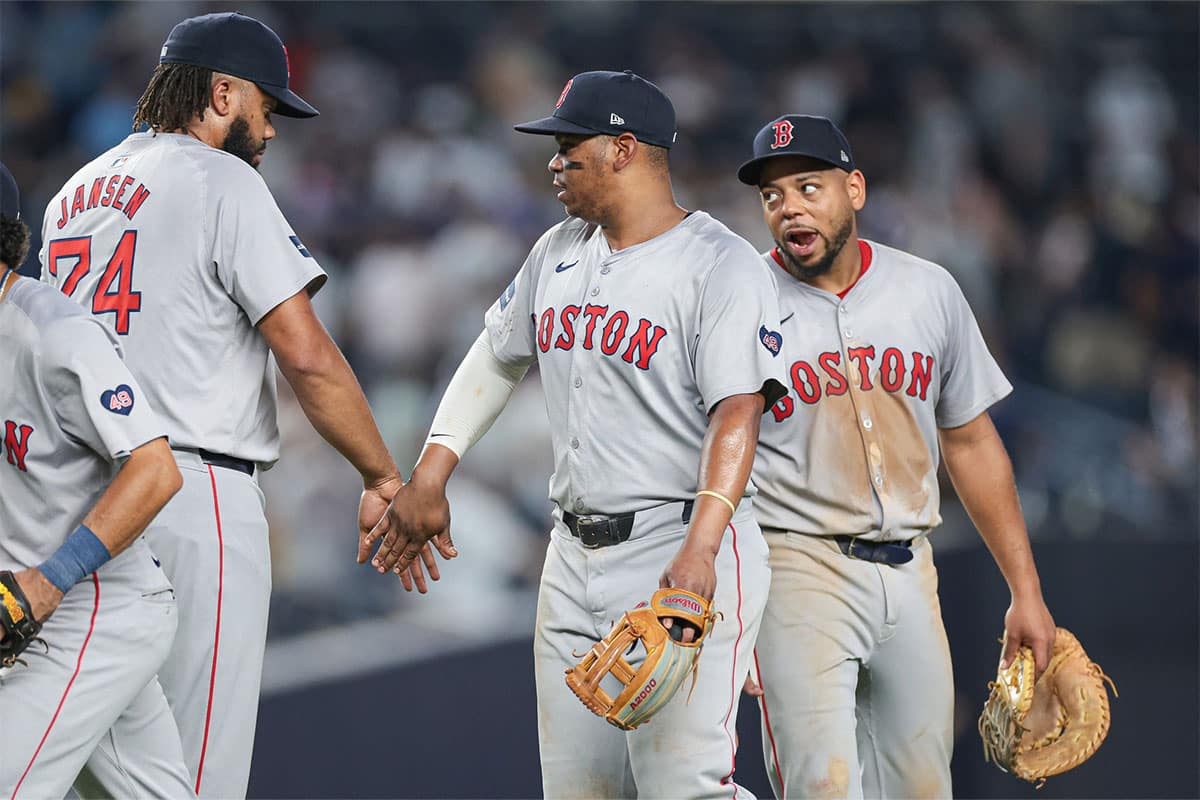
x=721, y=497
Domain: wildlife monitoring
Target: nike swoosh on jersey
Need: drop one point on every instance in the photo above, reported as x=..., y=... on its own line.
x=564, y=267
x=789, y=316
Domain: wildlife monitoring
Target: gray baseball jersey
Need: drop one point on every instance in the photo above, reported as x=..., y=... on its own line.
x=853, y=448
x=71, y=412
x=852, y=655
x=635, y=348
x=181, y=249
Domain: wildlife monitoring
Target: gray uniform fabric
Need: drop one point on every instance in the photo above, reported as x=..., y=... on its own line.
x=197, y=252
x=71, y=413
x=635, y=347
x=852, y=655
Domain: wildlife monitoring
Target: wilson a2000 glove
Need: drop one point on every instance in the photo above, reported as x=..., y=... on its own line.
x=668, y=660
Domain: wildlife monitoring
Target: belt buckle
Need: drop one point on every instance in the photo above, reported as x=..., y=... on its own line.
x=593, y=531
x=850, y=550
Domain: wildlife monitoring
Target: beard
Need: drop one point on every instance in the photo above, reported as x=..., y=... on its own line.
x=832, y=249
x=240, y=143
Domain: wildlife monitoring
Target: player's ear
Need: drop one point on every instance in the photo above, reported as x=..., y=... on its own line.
x=224, y=93
x=856, y=189
x=624, y=149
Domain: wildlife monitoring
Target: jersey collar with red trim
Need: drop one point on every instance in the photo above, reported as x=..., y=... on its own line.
x=864, y=249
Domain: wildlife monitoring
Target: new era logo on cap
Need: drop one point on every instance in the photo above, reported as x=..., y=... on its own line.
x=612, y=103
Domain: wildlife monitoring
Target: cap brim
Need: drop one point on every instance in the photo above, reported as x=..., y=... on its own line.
x=290, y=104
x=750, y=172
x=548, y=126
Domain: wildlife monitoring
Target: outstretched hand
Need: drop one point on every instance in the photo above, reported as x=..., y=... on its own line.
x=417, y=516
x=372, y=509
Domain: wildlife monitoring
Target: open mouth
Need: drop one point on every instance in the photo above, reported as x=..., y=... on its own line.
x=801, y=243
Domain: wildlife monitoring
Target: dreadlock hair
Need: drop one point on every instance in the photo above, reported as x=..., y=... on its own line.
x=176, y=93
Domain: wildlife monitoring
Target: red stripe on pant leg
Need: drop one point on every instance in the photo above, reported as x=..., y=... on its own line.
x=767, y=719
x=733, y=692
x=66, y=691
x=212, y=680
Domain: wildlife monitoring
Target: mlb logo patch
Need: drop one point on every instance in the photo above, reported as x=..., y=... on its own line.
x=118, y=161
x=772, y=340
x=507, y=297
x=300, y=246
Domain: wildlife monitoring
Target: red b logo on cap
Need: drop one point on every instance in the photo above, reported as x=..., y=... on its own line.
x=783, y=134
x=563, y=96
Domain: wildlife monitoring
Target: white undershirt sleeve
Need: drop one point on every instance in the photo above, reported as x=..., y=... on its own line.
x=476, y=395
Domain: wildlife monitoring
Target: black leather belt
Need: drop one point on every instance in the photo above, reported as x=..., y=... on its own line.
x=220, y=459
x=596, y=530
x=880, y=552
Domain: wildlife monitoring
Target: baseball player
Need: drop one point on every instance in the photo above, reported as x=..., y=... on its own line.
x=886, y=362
x=85, y=468
x=173, y=239
x=656, y=335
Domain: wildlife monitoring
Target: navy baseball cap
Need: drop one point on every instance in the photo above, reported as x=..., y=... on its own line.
x=10, y=196
x=612, y=103
x=241, y=46
x=798, y=135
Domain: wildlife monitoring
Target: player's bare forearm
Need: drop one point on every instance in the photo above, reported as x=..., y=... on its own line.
x=328, y=391
x=435, y=466
x=144, y=484
x=982, y=475
x=726, y=458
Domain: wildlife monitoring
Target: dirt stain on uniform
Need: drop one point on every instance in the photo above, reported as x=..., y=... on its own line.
x=907, y=468
x=835, y=784
x=837, y=468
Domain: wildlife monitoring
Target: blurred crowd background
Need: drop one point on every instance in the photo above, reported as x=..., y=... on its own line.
x=1046, y=154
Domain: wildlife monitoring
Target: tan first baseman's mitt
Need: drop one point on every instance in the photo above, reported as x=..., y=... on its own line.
x=1043, y=729
x=666, y=666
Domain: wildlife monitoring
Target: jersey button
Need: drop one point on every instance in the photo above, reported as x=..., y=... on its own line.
x=847, y=333
x=595, y=291
x=574, y=444
x=867, y=423
x=605, y=270
x=578, y=382
x=842, y=309
x=579, y=505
